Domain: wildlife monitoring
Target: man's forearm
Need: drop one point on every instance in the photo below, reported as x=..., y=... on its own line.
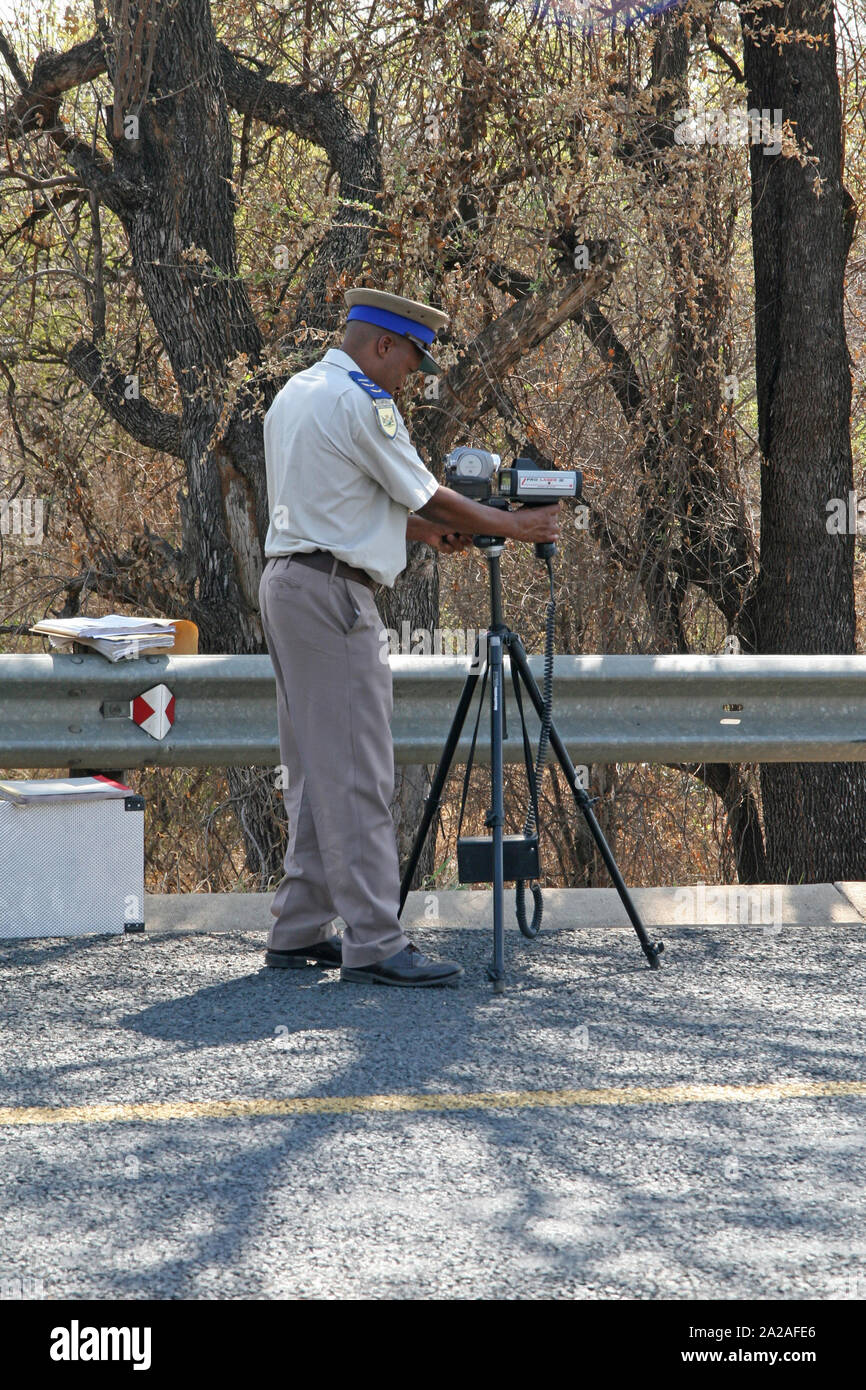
x=454, y=512
x=416, y=528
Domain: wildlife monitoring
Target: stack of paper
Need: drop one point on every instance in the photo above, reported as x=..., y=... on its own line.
x=114, y=636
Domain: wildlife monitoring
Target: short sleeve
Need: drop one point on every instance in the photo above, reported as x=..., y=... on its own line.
x=394, y=464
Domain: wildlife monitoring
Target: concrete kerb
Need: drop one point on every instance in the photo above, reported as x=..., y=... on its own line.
x=771, y=907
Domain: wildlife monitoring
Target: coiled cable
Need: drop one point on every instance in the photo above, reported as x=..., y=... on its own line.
x=533, y=927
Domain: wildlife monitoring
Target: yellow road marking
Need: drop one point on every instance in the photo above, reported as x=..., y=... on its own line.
x=443, y=1101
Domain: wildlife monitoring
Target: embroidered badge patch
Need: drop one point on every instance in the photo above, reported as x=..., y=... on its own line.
x=386, y=417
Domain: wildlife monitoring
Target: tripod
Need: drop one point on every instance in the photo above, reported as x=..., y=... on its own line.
x=499, y=639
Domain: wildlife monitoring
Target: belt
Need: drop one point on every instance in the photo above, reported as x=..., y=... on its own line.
x=324, y=560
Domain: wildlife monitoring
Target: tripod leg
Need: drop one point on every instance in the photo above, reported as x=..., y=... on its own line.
x=650, y=949
x=440, y=777
x=496, y=970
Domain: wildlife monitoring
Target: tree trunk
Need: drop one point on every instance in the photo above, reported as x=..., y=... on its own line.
x=182, y=240
x=814, y=814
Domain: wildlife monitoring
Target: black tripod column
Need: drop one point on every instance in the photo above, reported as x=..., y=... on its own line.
x=496, y=818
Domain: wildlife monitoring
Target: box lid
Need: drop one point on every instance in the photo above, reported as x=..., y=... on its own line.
x=43, y=789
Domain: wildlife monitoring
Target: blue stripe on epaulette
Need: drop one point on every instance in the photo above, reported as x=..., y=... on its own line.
x=370, y=387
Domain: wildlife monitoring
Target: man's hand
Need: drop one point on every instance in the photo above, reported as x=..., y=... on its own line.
x=447, y=542
x=538, y=523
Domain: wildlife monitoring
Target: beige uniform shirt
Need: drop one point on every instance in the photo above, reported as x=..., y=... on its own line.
x=335, y=480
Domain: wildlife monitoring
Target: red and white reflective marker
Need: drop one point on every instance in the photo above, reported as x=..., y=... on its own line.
x=153, y=711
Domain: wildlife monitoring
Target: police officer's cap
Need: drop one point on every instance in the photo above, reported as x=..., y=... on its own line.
x=417, y=322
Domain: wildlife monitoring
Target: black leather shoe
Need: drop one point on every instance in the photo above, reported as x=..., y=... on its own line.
x=327, y=954
x=408, y=967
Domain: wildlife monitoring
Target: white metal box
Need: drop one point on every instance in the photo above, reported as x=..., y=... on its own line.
x=71, y=858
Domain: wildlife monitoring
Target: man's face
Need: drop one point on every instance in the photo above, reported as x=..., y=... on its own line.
x=396, y=358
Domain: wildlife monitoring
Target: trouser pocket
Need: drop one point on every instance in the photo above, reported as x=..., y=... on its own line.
x=344, y=604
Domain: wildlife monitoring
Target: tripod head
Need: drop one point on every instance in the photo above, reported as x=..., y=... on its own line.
x=488, y=543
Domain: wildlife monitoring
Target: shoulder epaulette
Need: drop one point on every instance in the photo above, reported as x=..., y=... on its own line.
x=377, y=392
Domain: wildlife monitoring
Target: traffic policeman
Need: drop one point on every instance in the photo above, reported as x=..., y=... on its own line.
x=346, y=489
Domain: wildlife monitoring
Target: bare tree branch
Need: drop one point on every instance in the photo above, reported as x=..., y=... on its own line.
x=53, y=74
x=155, y=428
x=12, y=62
x=38, y=107
x=731, y=63
x=501, y=345
x=320, y=117
x=624, y=379
x=13, y=415
x=146, y=578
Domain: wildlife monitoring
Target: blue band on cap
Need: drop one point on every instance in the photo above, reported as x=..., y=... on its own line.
x=396, y=322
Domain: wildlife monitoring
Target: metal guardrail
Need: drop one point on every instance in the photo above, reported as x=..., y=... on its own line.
x=72, y=710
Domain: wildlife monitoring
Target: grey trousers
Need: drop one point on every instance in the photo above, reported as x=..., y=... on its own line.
x=334, y=707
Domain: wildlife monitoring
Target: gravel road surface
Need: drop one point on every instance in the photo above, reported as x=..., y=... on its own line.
x=664, y=1194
